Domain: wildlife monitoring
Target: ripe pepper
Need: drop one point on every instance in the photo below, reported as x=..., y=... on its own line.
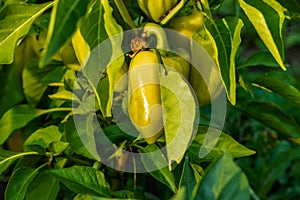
x=156, y=9
x=191, y=26
x=144, y=106
x=144, y=95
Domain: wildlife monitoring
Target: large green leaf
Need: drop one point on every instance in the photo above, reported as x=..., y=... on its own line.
x=64, y=17
x=281, y=84
x=83, y=180
x=225, y=143
x=43, y=187
x=180, y=114
x=32, y=76
x=225, y=37
x=19, y=116
x=267, y=17
x=8, y=158
x=92, y=27
x=152, y=161
x=272, y=116
x=223, y=181
x=16, y=23
x=109, y=58
x=19, y=182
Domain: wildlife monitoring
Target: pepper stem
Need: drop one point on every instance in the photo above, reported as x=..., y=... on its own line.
x=159, y=33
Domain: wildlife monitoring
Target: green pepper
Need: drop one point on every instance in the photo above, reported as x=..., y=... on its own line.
x=156, y=9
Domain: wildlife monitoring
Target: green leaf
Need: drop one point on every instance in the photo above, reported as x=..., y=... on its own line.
x=19, y=116
x=43, y=138
x=83, y=180
x=281, y=84
x=181, y=194
x=272, y=116
x=33, y=85
x=76, y=142
x=260, y=58
x=225, y=143
x=103, y=19
x=225, y=37
x=63, y=95
x=223, y=181
x=152, y=161
x=10, y=79
x=8, y=158
x=179, y=114
x=267, y=17
x=292, y=6
x=64, y=17
x=190, y=177
x=43, y=187
x=16, y=24
x=19, y=182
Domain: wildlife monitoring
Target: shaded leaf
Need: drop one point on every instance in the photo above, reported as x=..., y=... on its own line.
x=260, y=58
x=64, y=17
x=267, y=17
x=83, y=180
x=76, y=142
x=155, y=161
x=272, y=116
x=180, y=114
x=225, y=143
x=19, y=182
x=32, y=76
x=225, y=37
x=16, y=24
x=292, y=6
x=43, y=187
x=281, y=84
x=223, y=181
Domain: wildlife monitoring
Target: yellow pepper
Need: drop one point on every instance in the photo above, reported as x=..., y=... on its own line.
x=156, y=9
x=144, y=108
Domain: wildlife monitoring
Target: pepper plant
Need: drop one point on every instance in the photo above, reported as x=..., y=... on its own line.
x=149, y=99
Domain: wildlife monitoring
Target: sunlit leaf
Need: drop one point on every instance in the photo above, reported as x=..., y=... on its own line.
x=180, y=114
x=16, y=24
x=225, y=143
x=225, y=37
x=8, y=158
x=18, y=116
x=43, y=138
x=267, y=17
x=64, y=17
